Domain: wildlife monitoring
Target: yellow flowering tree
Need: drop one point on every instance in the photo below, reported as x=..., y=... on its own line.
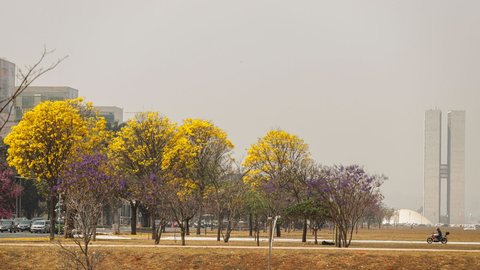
x=195, y=162
x=49, y=137
x=137, y=151
x=277, y=166
x=279, y=156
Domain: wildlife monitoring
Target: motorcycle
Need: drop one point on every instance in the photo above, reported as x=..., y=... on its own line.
x=434, y=238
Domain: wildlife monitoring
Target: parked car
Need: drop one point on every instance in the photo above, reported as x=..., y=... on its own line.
x=24, y=225
x=7, y=225
x=470, y=228
x=42, y=226
x=16, y=221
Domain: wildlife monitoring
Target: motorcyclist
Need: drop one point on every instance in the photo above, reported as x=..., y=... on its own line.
x=438, y=235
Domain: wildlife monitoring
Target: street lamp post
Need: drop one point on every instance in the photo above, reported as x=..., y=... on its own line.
x=59, y=210
x=273, y=224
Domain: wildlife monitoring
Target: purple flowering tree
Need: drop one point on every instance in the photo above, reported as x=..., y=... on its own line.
x=347, y=192
x=8, y=191
x=155, y=198
x=88, y=185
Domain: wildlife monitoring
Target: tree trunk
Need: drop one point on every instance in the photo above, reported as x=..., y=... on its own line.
x=336, y=235
x=199, y=221
x=133, y=218
x=257, y=231
x=316, y=238
x=95, y=231
x=152, y=222
x=345, y=237
x=250, y=225
x=182, y=233
x=349, y=238
x=339, y=237
x=66, y=223
x=88, y=262
x=219, y=229
x=279, y=234
x=115, y=218
x=304, y=234
x=158, y=233
x=227, y=233
x=343, y=231
x=187, y=226
x=53, y=202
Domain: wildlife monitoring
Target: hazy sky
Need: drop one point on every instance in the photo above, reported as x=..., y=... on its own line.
x=352, y=78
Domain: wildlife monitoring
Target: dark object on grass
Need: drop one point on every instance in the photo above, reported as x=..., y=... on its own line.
x=325, y=243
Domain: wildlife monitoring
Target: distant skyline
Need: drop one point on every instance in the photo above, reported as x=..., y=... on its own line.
x=352, y=78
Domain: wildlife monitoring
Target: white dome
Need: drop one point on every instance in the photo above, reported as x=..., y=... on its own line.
x=407, y=216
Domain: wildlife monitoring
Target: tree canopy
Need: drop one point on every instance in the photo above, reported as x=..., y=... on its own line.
x=51, y=136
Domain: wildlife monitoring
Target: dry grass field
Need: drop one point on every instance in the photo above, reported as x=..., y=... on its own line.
x=188, y=258
x=150, y=257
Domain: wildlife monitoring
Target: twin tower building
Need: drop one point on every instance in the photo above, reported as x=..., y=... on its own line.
x=452, y=172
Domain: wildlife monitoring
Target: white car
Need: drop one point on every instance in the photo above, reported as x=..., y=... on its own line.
x=42, y=226
x=470, y=228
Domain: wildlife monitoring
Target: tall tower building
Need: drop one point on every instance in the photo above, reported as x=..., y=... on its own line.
x=453, y=172
x=456, y=167
x=431, y=163
x=7, y=81
x=7, y=88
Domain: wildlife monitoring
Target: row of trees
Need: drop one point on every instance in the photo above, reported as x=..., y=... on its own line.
x=179, y=172
x=280, y=168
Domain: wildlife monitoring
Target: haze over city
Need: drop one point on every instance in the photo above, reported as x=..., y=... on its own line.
x=352, y=78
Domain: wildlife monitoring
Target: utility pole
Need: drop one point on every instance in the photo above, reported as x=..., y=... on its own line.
x=18, y=200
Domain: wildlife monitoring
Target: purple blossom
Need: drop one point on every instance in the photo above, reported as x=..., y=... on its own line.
x=90, y=174
x=8, y=191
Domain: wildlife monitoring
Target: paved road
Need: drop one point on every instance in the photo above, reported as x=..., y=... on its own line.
x=25, y=234
x=293, y=240
x=233, y=239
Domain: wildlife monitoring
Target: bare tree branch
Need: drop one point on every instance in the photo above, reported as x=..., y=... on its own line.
x=26, y=78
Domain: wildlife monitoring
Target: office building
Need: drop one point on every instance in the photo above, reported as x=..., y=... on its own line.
x=456, y=167
x=7, y=88
x=113, y=115
x=34, y=95
x=453, y=172
x=431, y=163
